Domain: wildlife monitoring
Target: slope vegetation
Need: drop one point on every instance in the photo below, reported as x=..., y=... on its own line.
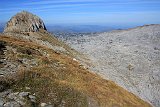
x=38, y=70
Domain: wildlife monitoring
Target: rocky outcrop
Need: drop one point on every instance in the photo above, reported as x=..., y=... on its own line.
x=24, y=22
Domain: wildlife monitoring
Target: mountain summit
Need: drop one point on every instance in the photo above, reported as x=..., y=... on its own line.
x=24, y=22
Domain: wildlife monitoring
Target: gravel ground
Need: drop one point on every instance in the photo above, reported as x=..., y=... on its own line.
x=130, y=57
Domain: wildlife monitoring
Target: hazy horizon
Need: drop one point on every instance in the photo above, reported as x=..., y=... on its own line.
x=82, y=28
x=128, y=13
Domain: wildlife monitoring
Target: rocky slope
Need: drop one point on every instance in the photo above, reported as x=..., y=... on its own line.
x=131, y=58
x=38, y=70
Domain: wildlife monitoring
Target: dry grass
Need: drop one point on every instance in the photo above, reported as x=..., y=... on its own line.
x=60, y=80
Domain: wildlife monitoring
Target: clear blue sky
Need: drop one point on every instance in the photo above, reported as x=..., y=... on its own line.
x=109, y=12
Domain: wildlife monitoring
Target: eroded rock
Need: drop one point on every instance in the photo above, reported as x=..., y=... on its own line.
x=24, y=22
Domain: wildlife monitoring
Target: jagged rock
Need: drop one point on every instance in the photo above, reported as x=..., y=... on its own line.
x=3, y=85
x=2, y=47
x=23, y=94
x=32, y=98
x=2, y=50
x=24, y=22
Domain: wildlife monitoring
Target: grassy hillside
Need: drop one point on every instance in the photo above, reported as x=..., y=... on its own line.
x=56, y=78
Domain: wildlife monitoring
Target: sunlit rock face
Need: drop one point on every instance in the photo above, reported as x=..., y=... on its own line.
x=24, y=22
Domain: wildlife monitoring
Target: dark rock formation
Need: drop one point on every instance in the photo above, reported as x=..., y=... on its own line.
x=24, y=22
x=2, y=47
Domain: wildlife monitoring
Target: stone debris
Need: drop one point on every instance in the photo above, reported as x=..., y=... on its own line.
x=15, y=99
x=130, y=57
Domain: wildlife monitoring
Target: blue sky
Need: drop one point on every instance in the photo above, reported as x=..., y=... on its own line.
x=100, y=12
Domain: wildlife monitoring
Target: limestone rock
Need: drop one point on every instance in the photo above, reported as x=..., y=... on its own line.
x=24, y=22
x=131, y=58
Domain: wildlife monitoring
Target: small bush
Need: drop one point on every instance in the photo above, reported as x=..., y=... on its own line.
x=130, y=67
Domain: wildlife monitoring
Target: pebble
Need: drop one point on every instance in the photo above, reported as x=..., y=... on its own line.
x=27, y=88
x=23, y=94
x=32, y=98
x=43, y=104
x=74, y=59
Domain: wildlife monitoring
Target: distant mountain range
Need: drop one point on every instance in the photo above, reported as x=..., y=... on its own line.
x=73, y=28
x=78, y=28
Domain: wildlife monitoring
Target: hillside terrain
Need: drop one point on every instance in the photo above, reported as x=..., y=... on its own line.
x=131, y=58
x=38, y=70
